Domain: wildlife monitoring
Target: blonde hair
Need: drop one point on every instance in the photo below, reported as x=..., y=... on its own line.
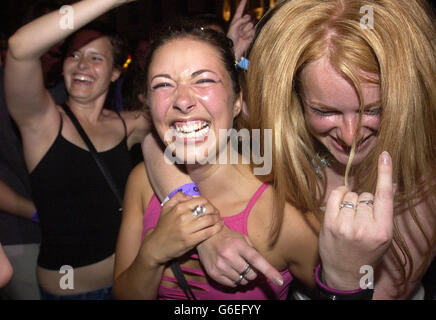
x=399, y=49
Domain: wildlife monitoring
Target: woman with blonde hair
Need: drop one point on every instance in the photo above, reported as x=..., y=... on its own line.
x=338, y=82
x=341, y=134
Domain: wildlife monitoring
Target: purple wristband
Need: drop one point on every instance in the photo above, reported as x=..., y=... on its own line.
x=34, y=216
x=334, y=291
x=190, y=189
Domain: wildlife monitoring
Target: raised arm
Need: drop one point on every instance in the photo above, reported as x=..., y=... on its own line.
x=29, y=103
x=27, y=45
x=357, y=231
x=241, y=31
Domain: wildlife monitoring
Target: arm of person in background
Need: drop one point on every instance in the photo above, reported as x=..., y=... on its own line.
x=6, y=270
x=225, y=251
x=139, y=265
x=25, y=50
x=13, y=203
x=241, y=31
x=138, y=126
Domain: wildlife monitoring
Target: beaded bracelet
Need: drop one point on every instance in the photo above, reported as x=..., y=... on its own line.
x=333, y=294
x=190, y=189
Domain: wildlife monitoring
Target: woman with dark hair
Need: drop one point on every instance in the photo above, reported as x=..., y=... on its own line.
x=78, y=211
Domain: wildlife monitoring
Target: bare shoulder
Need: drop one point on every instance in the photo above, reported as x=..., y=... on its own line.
x=297, y=238
x=416, y=232
x=298, y=243
x=139, y=184
x=415, y=228
x=138, y=125
x=133, y=116
x=299, y=229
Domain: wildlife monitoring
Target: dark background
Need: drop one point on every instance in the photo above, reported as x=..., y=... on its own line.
x=134, y=20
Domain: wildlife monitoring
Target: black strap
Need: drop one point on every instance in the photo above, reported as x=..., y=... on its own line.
x=94, y=154
x=178, y=273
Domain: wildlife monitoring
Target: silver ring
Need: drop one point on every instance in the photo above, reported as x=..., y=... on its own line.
x=238, y=282
x=367, y=202
x=246, y=271
x=198, y=210
x=346, y=205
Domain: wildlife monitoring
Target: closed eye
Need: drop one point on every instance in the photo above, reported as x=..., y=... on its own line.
x=373, y=112
x=161, y=85
x=322, y=113
x=201, y=81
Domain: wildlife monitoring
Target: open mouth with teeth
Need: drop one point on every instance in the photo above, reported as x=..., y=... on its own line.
x=191, y=129
x=82, y=79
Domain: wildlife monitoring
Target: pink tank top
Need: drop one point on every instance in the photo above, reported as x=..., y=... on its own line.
x=259, y=289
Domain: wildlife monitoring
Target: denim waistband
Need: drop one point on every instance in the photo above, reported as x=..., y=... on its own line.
x=104, y=293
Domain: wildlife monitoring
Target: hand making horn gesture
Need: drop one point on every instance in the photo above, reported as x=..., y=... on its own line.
x=357, y=230
x=241, y=31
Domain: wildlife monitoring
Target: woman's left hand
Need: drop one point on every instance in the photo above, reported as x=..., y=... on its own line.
x=357, y=230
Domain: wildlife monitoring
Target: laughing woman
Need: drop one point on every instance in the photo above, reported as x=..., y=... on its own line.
x=78, y=213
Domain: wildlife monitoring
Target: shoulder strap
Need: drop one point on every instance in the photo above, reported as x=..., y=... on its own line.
x=94, y=154
x=124, y=122
x=178, y=273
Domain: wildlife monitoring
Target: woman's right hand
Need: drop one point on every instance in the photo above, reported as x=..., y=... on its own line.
x=179, y=230
x=357, y=229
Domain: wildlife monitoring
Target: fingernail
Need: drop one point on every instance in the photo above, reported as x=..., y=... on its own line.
x=278, y=281
x=385, y=157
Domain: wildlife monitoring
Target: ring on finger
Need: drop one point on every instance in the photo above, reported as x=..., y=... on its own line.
x=238, y=282
x=198, y=210
x=246, y=271
x=346, y=204
x=367, y=202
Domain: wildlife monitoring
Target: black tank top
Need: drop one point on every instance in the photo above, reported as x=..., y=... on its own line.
x=78, y=211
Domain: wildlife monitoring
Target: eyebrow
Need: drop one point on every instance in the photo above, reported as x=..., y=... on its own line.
x=326, y=107
x=90, y=52
x=98, y=53
x=197, y=73
x=193, y=75
x=161, y=75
